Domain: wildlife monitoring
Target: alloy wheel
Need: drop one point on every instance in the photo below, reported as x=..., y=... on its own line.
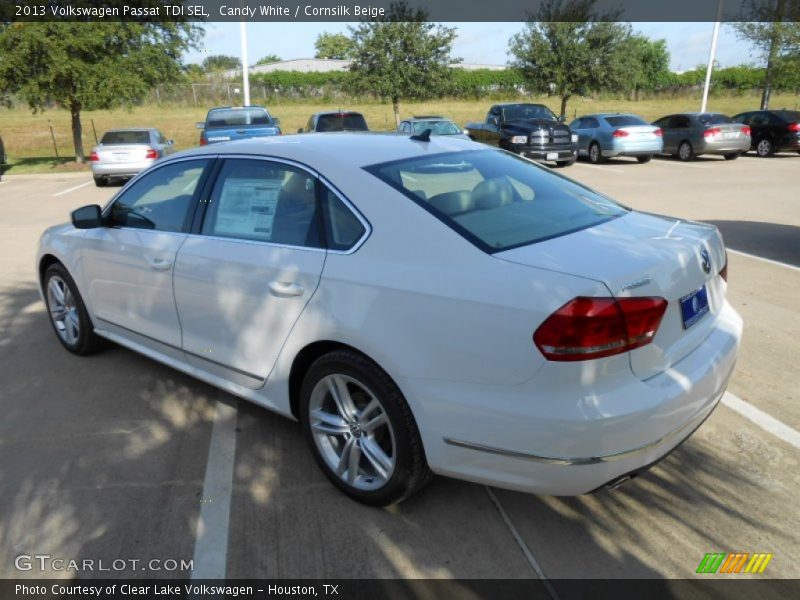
x=764, y=147
x=63, y=310
x=352, y=432
x=685, y=151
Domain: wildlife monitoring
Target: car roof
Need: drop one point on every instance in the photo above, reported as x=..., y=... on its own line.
x=116, y=129
x=351, y=149
x=427, y=118
x=337, y=112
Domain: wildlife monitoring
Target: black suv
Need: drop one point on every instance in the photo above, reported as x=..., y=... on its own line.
x=772, y=130
x=337, y=120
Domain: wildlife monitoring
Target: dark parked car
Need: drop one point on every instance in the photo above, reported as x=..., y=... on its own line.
x=227, y=123
x=688, y=135
x=338, y=120
x=530, y=130
x=2, y=156
x=772, y=130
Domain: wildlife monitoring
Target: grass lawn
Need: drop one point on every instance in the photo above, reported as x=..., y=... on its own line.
x=30, y=148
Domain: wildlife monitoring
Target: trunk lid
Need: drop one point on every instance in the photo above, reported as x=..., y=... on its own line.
x=121, y=153
x=640, y=254
x=639, y=132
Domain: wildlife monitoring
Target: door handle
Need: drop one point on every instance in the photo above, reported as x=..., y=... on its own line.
x=285, y=288
x=159, y=264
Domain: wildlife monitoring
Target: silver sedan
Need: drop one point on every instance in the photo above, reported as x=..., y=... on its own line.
x=689, y=135
x=123, y=153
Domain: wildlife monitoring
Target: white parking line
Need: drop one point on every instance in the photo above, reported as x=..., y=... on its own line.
x=72, y=189
x=211, y=544
x=534, y=564
x=609, y=169
x=763, y=420
x=768, y=260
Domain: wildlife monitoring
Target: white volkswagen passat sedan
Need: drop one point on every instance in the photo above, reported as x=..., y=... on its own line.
x=419, y=306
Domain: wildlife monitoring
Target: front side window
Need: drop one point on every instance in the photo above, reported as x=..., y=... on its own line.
x=264, y=201
x=496, y=200
x=159, y=200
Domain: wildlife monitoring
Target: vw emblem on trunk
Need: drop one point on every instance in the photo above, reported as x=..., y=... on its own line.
x=705, y=261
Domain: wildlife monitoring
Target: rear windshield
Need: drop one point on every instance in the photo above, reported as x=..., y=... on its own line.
x=496, y=200
x=126, y=137
x=713, y=119
x=342, y=122
x=437, y=127
x=233, y=117
x=527, y=111
x=625, y=121
x=788, y=115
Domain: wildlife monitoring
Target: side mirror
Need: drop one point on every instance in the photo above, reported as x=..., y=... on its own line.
x=171, y=142
x=562, y=119
x=276, y=121
x=300, y=130
x=493, y=120
x=465, y=131
x=87, y=217
x=200, y=125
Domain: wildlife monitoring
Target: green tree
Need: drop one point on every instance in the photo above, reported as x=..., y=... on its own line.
x=90, y=66
x=773, y=27
x=645, y=64
x=269, y=59
x=402, y=56
x=220, y=62
x=567, y=49
x=333, y=45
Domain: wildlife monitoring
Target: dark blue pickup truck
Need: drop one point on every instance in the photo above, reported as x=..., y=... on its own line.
x=228, y=123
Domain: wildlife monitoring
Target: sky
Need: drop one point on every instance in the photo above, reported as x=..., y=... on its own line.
x=484, y=43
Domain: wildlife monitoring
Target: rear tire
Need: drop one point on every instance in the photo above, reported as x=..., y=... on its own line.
x=100, y=181
x=645, y=159
x=685, y=151
x=595, y=154
x=344, y=394
x=67, y=312
x=732, y=155
x=765, y=148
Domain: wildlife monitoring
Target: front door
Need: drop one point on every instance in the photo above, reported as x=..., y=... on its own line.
x=128, y=264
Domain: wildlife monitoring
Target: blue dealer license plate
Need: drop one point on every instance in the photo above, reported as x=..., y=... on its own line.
x=694, y=306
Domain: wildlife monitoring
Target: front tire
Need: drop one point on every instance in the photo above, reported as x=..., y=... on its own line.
x=361, y=430
x=765, y=148
x=685, y=151
x=67, y=312
x=645, y=159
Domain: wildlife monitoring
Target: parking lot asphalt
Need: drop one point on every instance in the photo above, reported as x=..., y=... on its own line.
x=108, y=457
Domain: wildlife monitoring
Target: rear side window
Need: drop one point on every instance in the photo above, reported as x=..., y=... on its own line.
x=159, y=200
x=790, y=116
x=341, y=122
x=264, y=201
x=342, y=227
x=125, y=137
x=496, y=200
x=625, y=121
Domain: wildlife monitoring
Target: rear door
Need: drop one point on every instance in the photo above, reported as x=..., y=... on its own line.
x=242, y=282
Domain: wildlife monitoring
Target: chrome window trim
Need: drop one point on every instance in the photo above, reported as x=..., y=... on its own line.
x=319, y=177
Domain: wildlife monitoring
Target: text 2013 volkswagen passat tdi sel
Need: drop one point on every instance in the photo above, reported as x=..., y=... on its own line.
x=419, y=305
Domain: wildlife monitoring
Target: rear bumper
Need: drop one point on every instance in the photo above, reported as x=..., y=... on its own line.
x=723, y=146
x=643, y=148
x=120, y=169
x=556, y=435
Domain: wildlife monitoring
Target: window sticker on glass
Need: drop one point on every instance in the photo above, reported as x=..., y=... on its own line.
x=247, y=208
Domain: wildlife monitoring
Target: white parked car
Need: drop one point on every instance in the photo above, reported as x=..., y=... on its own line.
x=123, y=153
x=419, y=306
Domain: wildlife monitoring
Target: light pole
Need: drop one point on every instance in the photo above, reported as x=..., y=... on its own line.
x=245, y=63
x=711, y=55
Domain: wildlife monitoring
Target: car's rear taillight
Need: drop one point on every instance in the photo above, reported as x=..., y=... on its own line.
x=619, y=133
x=658, y=132
x=93, y=157
x=724, y=271
x=151, y=154
x=587, y=328
x=203, y=141
x=746, y=130
x=794, y=126
x=712, y=131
